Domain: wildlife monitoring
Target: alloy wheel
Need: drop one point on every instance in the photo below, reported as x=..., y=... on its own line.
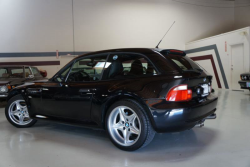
x=124, y=126
x=18, y=113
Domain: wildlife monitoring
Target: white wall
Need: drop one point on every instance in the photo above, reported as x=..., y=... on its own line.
x=242, y=13
x=114, y=24
x=47, y=25
x=35, y=25
x=231, y=38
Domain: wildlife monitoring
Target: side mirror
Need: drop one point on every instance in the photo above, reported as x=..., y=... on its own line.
x=31, y=76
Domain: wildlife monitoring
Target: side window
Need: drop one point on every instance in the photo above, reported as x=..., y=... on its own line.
x=87, y=69
x=27, y=72
x=16, y=72
x=3, y=72
x=61, y=77
x=128, y=66
x=36, y=72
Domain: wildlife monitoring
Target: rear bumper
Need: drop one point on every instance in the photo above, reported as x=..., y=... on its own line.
x=173, y=117
x=243, y=84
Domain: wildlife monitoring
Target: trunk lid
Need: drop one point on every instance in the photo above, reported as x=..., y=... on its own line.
x=198, y=79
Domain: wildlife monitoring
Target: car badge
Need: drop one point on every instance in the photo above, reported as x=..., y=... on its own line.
x=115, y=57
x=204, y=79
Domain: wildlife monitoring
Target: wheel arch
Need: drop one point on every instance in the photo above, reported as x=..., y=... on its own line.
x=13, y=93
x=125, y=96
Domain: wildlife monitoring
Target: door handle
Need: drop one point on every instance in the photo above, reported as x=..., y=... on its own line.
x=34, y=91
x=84, y=91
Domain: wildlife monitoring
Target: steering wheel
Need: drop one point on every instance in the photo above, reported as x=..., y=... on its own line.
x=79, y=76
x=86, y=74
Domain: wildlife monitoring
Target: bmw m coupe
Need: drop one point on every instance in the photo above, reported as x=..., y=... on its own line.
x=131, y=93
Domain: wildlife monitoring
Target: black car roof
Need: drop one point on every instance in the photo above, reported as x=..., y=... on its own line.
x=136, y=50
x=14, y=66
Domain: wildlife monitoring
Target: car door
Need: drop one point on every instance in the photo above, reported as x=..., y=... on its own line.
x=70, y=93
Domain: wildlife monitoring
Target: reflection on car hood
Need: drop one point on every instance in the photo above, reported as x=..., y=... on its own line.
x=41, y=80
x=28, y=83
x=19, y=81
x=4, y=81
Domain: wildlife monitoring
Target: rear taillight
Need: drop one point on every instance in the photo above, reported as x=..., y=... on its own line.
x=179, y=93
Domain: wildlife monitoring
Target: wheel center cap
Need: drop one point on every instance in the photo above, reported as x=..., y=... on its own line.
x=127, y=124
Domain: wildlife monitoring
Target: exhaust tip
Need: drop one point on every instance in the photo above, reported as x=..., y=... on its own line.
x=199, y=125
x=212, y=116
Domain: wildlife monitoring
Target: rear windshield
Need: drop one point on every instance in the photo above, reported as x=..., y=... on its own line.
x=184, y=62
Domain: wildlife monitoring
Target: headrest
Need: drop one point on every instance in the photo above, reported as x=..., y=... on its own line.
x=136, y=68
x=116, y=68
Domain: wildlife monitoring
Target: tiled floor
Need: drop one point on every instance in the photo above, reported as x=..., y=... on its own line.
x=222, y=142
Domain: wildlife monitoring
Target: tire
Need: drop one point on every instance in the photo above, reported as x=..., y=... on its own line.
x=128, y=125
x=17, y=113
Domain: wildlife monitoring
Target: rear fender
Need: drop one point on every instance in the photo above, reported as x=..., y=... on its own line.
x=117, y=97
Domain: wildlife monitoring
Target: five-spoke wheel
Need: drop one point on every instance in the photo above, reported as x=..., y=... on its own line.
x=124, y=125
x=17, y=112
x=128, y=125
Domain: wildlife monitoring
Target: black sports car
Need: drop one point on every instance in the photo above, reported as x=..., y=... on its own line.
x=12, y=76
x=132, y=93
x=245, y=81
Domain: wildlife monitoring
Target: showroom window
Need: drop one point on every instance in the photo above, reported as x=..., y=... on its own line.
x=87, y=69
x=128, y=66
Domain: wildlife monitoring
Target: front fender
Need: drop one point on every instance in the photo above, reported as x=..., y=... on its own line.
x=15, y=92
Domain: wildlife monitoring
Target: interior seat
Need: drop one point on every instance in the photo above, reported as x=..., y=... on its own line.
x=116, y=68
x=136, y=68
x=150, y=70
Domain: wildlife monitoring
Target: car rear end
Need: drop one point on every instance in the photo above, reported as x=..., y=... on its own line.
x=186, y=100
x=245, y=81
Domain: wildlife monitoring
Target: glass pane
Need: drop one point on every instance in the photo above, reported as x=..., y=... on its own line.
x=184, y=62
x=129, y=65
x=4, y=73
x=27, y=72
x=88, y=69
x=16, y=72
x=36, y=72
x=65, y=72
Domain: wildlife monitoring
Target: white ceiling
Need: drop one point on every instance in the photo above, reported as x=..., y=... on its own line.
x=216, y=3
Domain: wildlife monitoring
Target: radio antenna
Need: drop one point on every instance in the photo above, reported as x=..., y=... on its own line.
x=165, y=34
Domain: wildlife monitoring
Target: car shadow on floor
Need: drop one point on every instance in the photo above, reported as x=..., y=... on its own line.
x=179, y=146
